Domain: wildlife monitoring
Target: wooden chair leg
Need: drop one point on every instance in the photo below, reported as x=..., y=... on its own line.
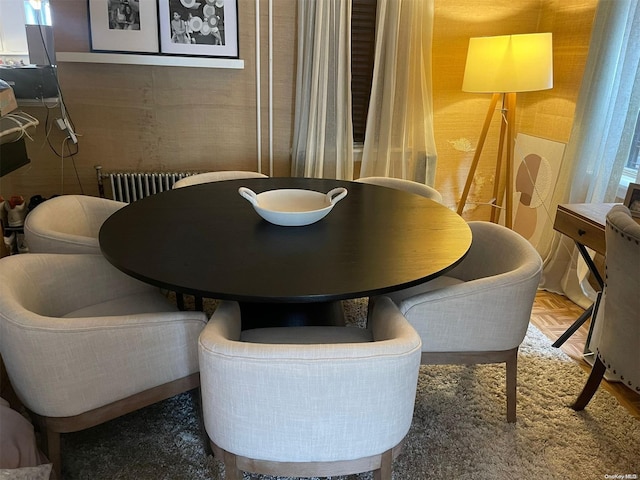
x=52, y=449
x=597, y=372
x=386, y=466
x=231, y=471
x=512, y=381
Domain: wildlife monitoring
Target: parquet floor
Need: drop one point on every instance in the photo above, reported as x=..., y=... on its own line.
x=553, y=314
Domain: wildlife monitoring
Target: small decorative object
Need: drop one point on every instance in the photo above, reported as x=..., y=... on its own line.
x=293, y=207
x=632, y=200
x=203, y=27
x=124, y=26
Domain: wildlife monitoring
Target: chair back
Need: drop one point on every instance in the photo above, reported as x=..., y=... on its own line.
x=68, y=224
x=76, y=333
x=216, y=177
x=298, y=402
x=486, y=305
x=619, y=344
x=406, y=185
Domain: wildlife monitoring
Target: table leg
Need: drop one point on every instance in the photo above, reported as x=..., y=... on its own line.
x=574, y=326
x=588, y=312
x=259, y=315
x=589, y=261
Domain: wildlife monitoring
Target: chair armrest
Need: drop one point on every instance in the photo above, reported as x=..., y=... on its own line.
x=64, y=367
x=91, y=278
x=493, y=312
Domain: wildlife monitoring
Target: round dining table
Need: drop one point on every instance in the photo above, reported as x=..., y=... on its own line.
x=208, y=241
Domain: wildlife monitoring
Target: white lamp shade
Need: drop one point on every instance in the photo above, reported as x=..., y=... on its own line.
x=509, y=63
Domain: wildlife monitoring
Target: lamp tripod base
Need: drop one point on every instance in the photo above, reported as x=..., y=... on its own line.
x=503, y=180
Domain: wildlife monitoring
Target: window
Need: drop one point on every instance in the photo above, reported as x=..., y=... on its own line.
x=37, y=12
x=363, y=39
x=13, y=37
x=630, y=171
x=634, y=154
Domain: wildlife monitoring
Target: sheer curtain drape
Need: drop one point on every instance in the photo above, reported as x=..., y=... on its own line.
x=323, y=131
x=600, y=142
x=399, y=140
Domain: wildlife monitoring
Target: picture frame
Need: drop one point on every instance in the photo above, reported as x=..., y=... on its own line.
x=199, y=27
x=632, y=199
x=127, y=26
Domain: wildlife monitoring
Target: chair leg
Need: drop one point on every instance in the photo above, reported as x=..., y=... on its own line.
x=231, y=471
x=386, y=466
x=512, y=381
x=52, y=449
x=597, y=372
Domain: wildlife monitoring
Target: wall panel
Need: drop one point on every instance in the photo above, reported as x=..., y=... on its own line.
x=178, y=118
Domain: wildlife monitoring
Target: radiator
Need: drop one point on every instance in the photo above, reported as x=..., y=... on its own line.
x=131, y=186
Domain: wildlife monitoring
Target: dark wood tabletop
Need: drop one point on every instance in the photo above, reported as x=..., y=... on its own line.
x=207, y=240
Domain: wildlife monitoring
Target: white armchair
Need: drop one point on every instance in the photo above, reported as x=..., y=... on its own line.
x=216, y=177
x=406, y=185
x=308, y=401
x=84, y=343
x=68, y=224
x=479, y=312
x=617, y=329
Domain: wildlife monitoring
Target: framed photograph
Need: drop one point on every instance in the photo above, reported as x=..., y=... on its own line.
x=199, y=27
x=632, y=200
x=124, y=26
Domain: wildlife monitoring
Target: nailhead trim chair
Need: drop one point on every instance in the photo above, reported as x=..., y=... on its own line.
x=84, y=343
x=308, y=401
x=617, y=329
x=480, y=310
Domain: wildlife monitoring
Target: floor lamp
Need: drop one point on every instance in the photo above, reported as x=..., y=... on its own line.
x=502, y=66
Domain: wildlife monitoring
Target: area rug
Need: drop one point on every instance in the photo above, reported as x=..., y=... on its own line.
x=459, y=429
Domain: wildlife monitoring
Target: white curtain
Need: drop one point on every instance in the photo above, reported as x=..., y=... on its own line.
x=600, y=141
x=323, y=130
x=399, y=140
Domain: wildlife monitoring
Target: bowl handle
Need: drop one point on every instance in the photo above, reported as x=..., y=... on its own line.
x=339, y=193
x=249, y=195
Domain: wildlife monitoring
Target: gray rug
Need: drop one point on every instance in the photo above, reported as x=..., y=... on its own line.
x=459, y=429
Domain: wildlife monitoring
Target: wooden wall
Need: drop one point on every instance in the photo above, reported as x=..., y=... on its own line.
x=152, y=118
x=178, y=118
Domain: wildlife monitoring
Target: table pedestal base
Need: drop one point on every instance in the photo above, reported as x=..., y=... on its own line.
x=260, y=315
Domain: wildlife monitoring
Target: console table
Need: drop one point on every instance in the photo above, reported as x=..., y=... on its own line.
x=585, y=224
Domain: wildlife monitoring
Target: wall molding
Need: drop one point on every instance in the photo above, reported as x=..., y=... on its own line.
x=157, y=60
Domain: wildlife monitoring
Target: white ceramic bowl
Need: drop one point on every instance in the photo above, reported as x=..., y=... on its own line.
x=292, y=207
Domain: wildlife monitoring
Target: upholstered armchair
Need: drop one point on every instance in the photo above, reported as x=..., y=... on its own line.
x=406, y=185
x=68, y=224
x=617, y=329
x=480, y=310
x=308, y=401
x=216, y=177
x=84, y=343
